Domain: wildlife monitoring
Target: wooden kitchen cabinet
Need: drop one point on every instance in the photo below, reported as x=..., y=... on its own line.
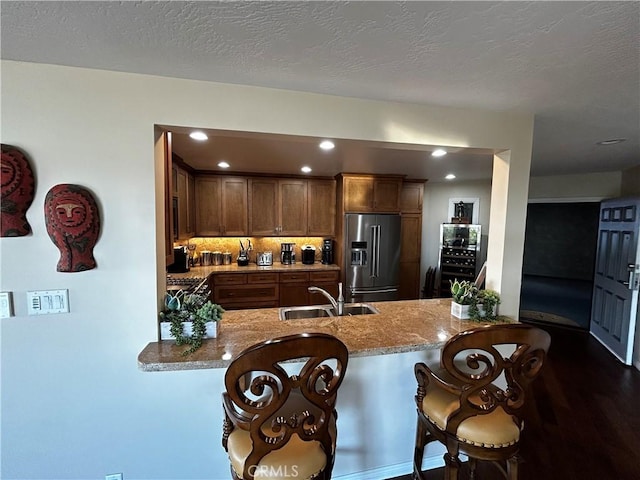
x=411, y=197
x=410, y=250
x=185, y=195
x=327, y=280
x=294, y=287
x=371, y=193
x=321, y=208
x=245, y=290
x=271, y=289
x=277, y=207
x=221, y=206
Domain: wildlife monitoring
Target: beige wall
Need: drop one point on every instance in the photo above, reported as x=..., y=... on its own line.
x=74, y=404
x=594, y=186
x=630, y=182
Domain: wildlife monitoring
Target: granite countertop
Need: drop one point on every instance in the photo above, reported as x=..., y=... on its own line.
x=277, y=267
x=401, y=326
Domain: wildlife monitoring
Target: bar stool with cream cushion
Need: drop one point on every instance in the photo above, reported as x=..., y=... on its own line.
x=280, y=416
x=473, y=403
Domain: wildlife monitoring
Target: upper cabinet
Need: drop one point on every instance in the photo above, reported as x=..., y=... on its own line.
x=277, y=207
x=321, y=207
x=411, y=196
x=259, y=206
x=370, y=193
x=221, y=205
x=184, y=194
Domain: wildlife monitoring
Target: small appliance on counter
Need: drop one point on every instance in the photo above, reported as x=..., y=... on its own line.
x=180, y=260
x=243, y=255
x=327, y=251
x=287, y=253
x=264, y=259
x=308, y=254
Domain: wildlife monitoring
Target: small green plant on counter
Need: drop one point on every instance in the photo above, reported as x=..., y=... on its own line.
x=463, y=291
x=189, y=307
x=484, y=305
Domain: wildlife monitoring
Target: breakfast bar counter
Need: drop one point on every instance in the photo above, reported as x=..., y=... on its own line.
x=401, y=326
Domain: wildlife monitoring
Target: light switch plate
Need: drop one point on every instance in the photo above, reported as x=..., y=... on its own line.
x=44, y=302
x=6, y=305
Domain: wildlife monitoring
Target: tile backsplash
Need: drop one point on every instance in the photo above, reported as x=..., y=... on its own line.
x=258, y=244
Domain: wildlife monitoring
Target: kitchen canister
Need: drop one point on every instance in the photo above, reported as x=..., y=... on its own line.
x=206, y=258
x=227, y=258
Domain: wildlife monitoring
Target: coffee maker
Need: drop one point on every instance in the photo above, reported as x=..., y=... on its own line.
x=287, y=253
x=327, y=251
x=308, y=254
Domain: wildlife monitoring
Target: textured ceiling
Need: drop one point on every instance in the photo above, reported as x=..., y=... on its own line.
x=575, y=65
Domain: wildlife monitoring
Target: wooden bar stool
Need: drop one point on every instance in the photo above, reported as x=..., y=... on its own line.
x=281, y=423
x=472, y=404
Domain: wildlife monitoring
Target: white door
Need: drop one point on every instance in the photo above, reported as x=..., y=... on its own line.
x=617, y=274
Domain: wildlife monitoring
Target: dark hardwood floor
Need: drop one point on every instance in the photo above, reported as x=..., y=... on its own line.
x=583, y=422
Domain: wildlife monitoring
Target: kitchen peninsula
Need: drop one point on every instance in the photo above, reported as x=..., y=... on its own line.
x=402, y=326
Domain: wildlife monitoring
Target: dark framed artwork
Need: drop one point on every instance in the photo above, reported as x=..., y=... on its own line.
x=466, y=209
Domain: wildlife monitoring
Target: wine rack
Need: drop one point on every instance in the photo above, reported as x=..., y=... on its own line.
x=459, y=250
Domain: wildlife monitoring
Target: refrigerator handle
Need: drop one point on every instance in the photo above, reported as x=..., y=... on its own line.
x=378, y=233
x=374, y=249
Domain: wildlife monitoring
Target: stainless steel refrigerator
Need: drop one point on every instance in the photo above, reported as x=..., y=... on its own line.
x=372, y=257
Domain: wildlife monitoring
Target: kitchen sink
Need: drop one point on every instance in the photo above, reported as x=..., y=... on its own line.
x=319, y=311
x=313, y=311
x=359, y=309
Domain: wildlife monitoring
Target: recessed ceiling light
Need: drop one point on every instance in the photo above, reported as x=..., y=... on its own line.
x=440, y=152
x=223, y=165
x=613, y=141
x=200, y=136
x=306, y=169
x=450, y=176
x=327, y=145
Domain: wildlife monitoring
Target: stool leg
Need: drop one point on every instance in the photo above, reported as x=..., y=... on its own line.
x=418, y=453
x=512, y=468
x=451, y=461
x=472, y=468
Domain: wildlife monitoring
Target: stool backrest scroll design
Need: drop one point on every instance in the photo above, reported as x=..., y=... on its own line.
x=259, y=389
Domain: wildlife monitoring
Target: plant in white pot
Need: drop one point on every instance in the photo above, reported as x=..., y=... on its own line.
x=485, y=305
x=463, y=294
x=189, y=318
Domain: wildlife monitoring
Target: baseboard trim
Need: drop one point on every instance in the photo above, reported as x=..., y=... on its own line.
x=392, y=471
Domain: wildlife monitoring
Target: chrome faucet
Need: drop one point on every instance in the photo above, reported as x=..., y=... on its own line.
x=338, y=305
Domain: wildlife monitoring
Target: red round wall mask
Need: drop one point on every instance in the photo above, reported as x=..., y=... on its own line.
x=16, y=193
x=73, y=224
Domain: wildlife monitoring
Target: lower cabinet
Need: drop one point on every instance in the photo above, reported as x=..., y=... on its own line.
x=246, y=290
x=267, y=290
x=294, y=287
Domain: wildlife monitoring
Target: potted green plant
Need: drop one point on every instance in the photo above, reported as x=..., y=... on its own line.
x=189, y=318
x=485, y=305
x=463, y=294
